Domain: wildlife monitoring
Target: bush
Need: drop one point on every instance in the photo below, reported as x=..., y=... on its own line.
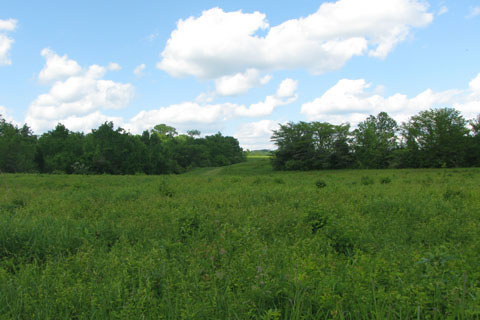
x=320, y=184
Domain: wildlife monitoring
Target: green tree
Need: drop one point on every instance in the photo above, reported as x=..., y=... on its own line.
x=295, y=147
x=375, y=139
x=17, y=148
x=164, y=131
x=193, y=133
x=315, y=145
x=60, y=150
x=473, y=145
x=437, y=137
x=115, y=151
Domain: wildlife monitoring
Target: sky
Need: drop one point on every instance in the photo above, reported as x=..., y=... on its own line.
x=236, y=67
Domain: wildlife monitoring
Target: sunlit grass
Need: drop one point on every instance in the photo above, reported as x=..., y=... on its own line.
x=242, y=242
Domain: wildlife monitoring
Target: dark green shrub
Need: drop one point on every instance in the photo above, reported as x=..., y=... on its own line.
x=320, y=184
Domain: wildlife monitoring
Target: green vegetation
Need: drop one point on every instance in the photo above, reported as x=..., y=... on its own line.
x=434, y=138
x=113, y=151
x=242, y=242
x=259, y=153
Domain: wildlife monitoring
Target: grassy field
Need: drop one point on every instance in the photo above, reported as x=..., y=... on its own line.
x=242, y=242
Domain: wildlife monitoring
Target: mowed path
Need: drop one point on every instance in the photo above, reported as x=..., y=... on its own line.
x=212, y=172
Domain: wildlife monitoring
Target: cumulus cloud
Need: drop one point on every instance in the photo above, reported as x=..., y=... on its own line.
x=222, y=43
x=8, y=25
x=180, y=114
x=240, y=83
x=256, y=135
x=89, y=121
x=77, y=94
x=475, y=85
x=285, y=94
x=139, y=71
x=57, y=67
x=352, y=101
x=203, y=112
x=5, y=41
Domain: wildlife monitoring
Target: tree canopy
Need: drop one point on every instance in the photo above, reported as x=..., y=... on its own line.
x=111, y=150
x=433, y=138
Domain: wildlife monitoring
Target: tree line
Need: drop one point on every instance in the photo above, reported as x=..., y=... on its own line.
x=430, y=139
x=113, y=151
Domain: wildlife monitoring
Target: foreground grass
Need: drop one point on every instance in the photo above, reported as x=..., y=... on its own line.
x=242, y=242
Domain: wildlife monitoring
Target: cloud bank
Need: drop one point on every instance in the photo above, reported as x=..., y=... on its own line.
x=352, y=101
x=199, y=113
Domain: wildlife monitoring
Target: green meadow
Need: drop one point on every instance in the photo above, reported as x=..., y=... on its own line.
x=242, y=242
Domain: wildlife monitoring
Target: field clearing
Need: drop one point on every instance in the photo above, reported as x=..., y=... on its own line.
x=242, y=242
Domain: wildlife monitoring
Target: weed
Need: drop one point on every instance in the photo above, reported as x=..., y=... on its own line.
x=367, y=180
x=317, y=220
x=188, y=225
x=245, y=243
x=385, y=180
x=165, y=189
x=451, y=194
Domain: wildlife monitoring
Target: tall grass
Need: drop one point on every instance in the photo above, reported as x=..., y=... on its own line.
x=242, y=242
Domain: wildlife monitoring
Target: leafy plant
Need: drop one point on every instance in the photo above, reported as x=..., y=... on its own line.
x=385, y=180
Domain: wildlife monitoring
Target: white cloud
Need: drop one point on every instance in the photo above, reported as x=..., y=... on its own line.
x=442, y=10
x=350, y=101
x=287, y=88
x=4, y=115
x=474, y=12
x=256, y=135
x=205, y=97
x=8, y=25
x=240, y=83
x=285, y=94
x=475, y=85
x=78, y=98
x=89, y=121
x=5, y=41
x=113, y=66
x=139, y=71
x=180, y=114
x=203, y=112
x=57, y=68
x=222, y=43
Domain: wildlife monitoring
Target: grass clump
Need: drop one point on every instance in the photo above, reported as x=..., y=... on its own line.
x=367, y=180
x=385, y=180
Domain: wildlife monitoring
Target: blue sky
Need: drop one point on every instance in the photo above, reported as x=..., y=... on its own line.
x=239, y=67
